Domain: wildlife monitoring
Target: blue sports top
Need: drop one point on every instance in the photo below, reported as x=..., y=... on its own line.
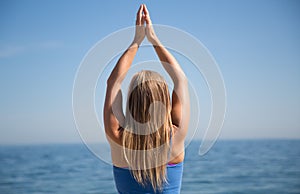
x=126, y=184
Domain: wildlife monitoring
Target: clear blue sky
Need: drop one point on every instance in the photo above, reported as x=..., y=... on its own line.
x=256, y=44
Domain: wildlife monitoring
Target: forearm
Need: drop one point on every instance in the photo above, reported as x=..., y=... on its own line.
x=120, y=70
x=180, y=95
x=169, y=63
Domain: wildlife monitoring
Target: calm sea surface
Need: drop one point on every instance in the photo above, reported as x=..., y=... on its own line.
x=231, y=166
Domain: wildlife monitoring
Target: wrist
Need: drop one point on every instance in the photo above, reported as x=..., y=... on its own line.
x=134, y=44
x=138, y=42
x=155, y=42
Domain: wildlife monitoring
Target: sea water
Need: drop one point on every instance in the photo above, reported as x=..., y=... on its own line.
x=231, y=166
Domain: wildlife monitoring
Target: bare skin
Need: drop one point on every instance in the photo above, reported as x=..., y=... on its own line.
x=180, y=98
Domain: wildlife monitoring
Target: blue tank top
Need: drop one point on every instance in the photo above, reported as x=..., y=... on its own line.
x=126, y=184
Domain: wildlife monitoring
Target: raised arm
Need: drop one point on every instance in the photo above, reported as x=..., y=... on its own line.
x=180, y=95
x=113, y=114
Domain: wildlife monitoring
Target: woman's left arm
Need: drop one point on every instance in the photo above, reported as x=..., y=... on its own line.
x=113, y=114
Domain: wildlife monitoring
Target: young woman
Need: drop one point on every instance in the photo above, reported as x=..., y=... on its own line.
x=147, y=143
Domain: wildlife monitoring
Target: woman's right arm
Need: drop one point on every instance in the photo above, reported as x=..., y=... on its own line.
x=180, y=96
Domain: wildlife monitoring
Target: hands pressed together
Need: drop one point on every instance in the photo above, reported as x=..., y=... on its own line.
x=141, y=30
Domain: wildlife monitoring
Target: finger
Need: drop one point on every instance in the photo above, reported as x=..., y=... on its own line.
x=140, y=9
x=139, y=15
x=147, y=15
x=146, y=10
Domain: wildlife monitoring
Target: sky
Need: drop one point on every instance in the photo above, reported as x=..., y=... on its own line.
x=255, y=43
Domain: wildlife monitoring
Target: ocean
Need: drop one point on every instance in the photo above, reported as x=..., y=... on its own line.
x=231, y=166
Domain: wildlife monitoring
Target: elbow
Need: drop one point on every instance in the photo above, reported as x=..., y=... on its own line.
x=112, y=80
x=109, y=80
x=181, y=80
x=184, y=79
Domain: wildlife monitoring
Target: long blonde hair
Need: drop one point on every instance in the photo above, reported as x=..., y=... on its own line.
x=148, y=128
